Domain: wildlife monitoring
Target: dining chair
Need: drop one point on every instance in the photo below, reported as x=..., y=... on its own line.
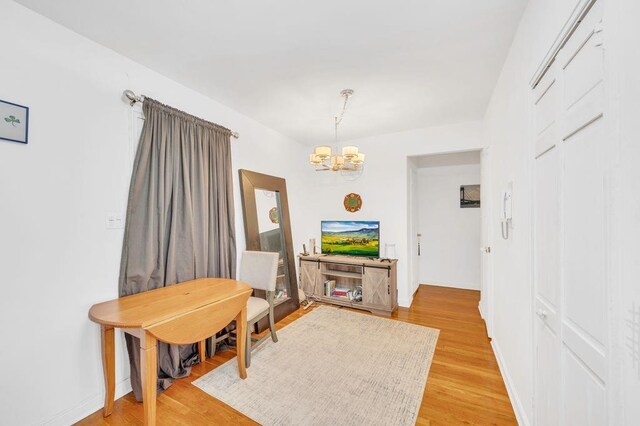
x=259, y=269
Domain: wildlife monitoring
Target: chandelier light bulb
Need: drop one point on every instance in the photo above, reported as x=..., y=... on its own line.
x=359, y=159
x=323, y=151
x=350, y=152
x=314, y=159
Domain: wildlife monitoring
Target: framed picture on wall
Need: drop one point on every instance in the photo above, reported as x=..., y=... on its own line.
x=14, y=122
x=469, y=196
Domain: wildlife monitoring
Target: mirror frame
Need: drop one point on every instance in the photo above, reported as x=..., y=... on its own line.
x=249, y=182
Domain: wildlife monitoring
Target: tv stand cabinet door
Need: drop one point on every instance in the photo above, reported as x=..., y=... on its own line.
x=309, y=278
x=376, y=287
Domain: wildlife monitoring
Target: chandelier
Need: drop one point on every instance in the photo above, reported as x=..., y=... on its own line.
x=324, y=158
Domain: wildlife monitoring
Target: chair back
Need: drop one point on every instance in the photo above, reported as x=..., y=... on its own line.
x=259, y=269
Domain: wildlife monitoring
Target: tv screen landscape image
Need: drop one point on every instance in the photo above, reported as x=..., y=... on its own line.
x=352, y=238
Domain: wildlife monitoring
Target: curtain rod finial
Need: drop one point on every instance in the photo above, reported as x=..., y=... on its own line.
x=132, y=97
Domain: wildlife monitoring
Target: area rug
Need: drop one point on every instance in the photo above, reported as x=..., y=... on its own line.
x=332, y=367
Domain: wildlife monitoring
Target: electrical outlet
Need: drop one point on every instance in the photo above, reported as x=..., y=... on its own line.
x=114, y=221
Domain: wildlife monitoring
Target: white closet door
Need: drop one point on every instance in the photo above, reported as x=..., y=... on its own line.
x=547, y=250
x=585, y=156
x=547, y=276
x=570, y=238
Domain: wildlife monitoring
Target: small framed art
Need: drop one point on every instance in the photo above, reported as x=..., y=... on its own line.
x=469, y=196
x=14, y=122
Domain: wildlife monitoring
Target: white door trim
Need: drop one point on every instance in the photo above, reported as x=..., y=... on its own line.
x=567, y=30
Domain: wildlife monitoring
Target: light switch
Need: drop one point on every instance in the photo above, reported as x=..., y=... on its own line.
x=114, y=221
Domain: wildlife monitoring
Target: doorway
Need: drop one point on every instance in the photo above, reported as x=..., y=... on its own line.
x=446, y=224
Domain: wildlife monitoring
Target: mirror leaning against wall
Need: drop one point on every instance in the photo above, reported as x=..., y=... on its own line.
x=267, y=227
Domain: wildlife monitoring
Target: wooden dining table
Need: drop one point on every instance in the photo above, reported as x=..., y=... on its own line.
x=183, y=313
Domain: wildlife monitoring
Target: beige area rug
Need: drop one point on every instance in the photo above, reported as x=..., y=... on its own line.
x=332, y=367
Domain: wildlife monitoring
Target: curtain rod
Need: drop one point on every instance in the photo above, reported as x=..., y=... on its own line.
x=133, y=98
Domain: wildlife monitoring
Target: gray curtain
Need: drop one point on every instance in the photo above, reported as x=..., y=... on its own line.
x=180, y=219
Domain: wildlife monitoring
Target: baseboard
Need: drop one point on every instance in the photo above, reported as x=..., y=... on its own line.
x=405, y=303
x=88, y=406
x=516, y=403
x=464, y=286
x=480, y=309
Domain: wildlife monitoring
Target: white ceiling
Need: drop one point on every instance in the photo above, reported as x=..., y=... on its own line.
x=412, y=63
x=452, y=159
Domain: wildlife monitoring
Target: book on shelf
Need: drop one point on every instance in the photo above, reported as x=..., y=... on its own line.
x=329, y=285
x=341, y=292
x=347, y=297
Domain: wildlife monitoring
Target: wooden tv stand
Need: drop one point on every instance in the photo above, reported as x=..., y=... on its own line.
x=377, y=278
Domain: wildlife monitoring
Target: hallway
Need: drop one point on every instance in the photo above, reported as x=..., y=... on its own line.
x=464, y=385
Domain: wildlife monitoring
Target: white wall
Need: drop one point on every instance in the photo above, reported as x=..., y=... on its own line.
x=384, y=185
x=450, y=242
x=507, y=131
x=56, y=257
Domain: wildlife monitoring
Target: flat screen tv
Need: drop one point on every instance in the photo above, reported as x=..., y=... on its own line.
x=351, y=238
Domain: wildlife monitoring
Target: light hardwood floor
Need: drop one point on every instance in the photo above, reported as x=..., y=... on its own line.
x=464, y=384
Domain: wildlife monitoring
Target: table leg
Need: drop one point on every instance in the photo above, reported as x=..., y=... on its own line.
x=149, y=375
x=202, y=350
x=108, y=367
x=241, y=341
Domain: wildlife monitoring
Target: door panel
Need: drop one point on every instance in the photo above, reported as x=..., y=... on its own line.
x=547, y=374
x=582, y=63
x=547, y=284
x=545, y=109
x=584, y=394
x=584, y=113
x=546, y=140
x=584, y=236
x=309, y=278
x=585, y=348
x=583, y=72
x=547, y=225
x=584, y=196
x=376, y=287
